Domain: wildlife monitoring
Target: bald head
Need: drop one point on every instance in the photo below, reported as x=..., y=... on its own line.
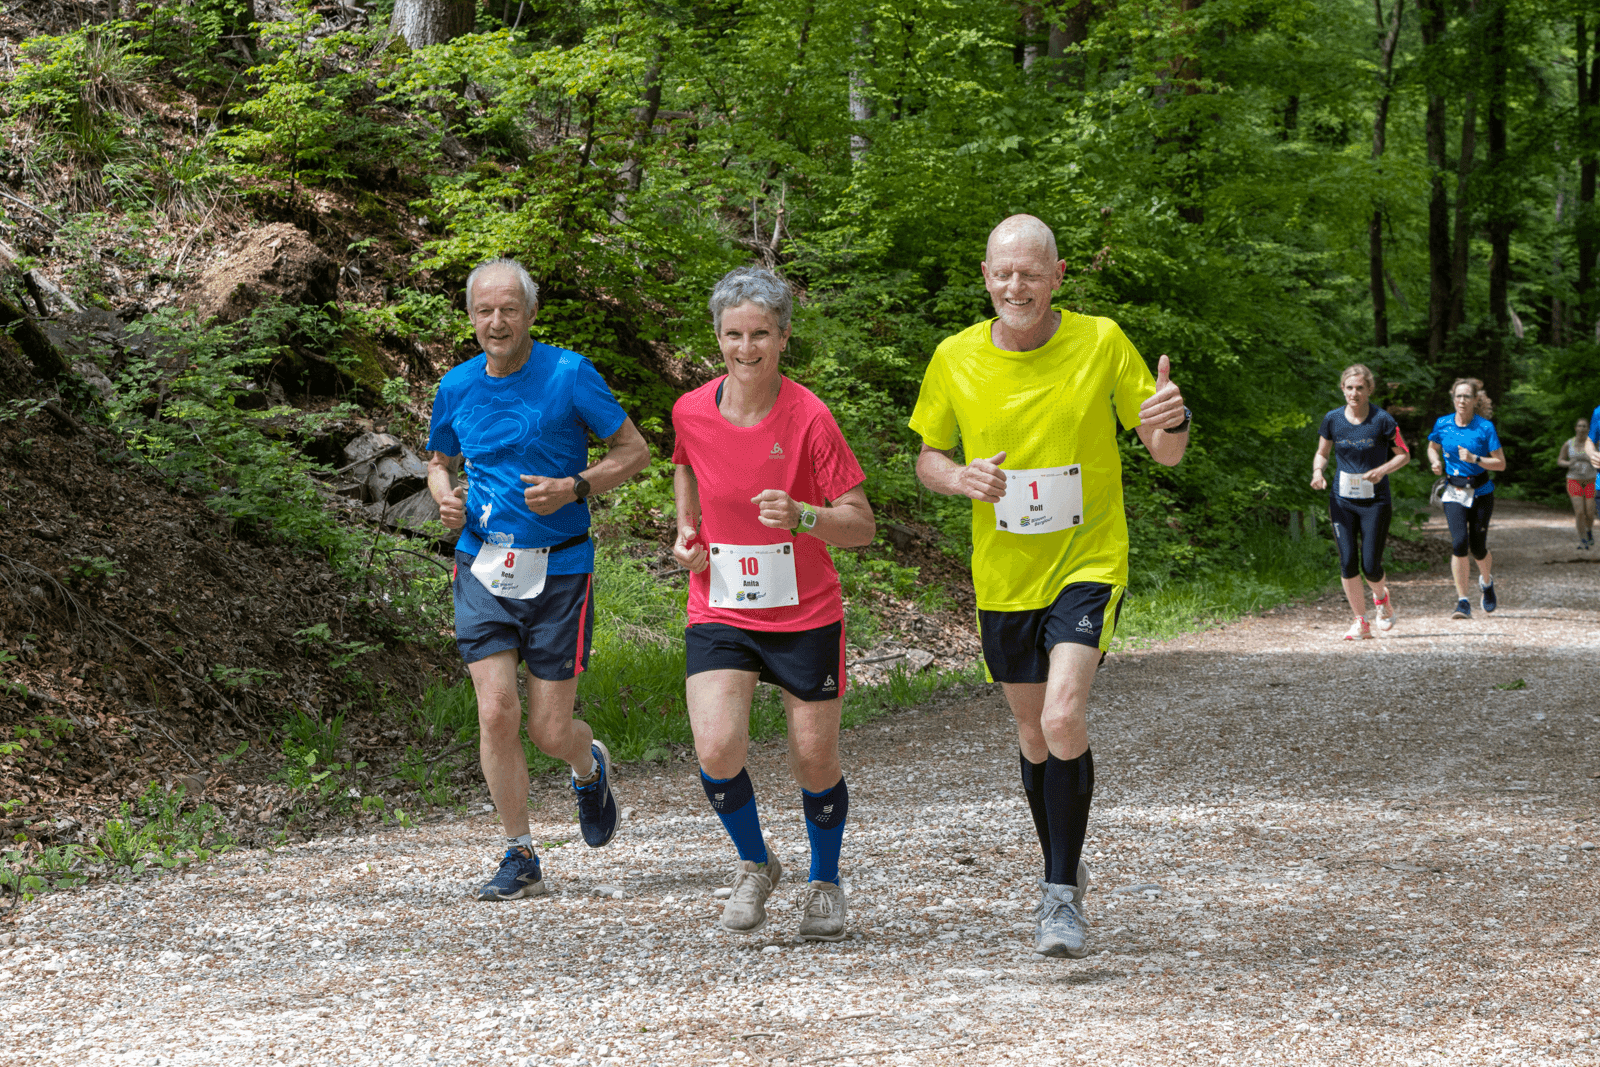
x=1021, y=233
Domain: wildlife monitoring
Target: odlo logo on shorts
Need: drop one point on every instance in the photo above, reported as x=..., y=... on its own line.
x=1085, y=626
x=830, y=683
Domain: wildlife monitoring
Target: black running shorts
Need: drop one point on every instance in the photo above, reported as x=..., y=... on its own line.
x=1017, y=644
x=808, y=664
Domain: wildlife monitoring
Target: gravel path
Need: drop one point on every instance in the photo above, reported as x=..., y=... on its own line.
x=1304, y=851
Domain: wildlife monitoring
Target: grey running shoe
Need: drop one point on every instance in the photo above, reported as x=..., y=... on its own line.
x=1061, y=926
x=746, y=910
x=822, y=910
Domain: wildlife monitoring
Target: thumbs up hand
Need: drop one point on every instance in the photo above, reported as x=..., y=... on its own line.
x=1165, y=409
x=453, y=508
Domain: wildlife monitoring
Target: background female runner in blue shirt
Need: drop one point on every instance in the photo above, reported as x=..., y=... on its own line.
x=1470, y=449
x=1367, y=447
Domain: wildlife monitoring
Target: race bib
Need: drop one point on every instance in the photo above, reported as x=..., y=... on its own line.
x=1355, y=487
x=753, y=576
x=1458, y=494
x=514, y=573
x=1042, y=500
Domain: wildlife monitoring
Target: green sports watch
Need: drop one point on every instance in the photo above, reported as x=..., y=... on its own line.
x=808, y=519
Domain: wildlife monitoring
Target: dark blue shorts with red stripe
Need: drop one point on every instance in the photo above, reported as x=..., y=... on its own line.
x=552, y=632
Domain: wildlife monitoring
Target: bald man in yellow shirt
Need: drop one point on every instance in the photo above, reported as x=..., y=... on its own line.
x=1039, y=392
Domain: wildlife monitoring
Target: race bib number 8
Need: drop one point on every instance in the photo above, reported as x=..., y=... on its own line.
x=753, y=576
x=1042, y=500
x=1355, y=487
x=1459, y=494
x=514, y=573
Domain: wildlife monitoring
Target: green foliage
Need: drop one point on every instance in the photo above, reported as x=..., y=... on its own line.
x=315, y=779
x=156, y=831
x=305, y=122
x=1271, y=569
x=26, y=874
x=93, y=570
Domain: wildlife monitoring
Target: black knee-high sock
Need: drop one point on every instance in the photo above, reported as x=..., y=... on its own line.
x=1068, y=792
x=1033, y=789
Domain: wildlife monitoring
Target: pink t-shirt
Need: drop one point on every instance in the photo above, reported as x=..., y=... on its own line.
x=797, y=448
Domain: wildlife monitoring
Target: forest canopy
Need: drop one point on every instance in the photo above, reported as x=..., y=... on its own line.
x=1266, y=191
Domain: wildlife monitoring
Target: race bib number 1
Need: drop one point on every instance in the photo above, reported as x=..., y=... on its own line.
x=1042, y=500
x=753, y=576
x=514, y=573
x=1355, y=487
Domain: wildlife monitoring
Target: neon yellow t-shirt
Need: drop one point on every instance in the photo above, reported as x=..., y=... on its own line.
x=1053, y=406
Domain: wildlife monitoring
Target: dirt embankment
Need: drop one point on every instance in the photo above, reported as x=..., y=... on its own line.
x=147, y=639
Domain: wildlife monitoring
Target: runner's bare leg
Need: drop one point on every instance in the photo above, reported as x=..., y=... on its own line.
x=551, y=727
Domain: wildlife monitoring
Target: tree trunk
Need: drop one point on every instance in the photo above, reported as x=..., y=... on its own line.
x=1030, y=36
x=860, y=106
x=1434, y=24
x=1501, y=217
x=1460, y=247
x=425, y=22
x=1389, y=36
x=1184, y=71
x=1069, y=26
x=1558, y=308
x=634, y=167
x=1585, y=222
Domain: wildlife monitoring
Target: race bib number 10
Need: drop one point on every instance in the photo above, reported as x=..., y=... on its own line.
x=753, y=576
x=1042, y=500
x=514, y=573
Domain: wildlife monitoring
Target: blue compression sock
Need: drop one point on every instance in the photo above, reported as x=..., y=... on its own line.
x=734, y=801
x=825, y=814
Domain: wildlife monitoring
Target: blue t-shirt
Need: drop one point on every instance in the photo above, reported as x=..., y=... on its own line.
x=1480, y=439
x=1594, y=435
x=535, y=421
x=1359, y=447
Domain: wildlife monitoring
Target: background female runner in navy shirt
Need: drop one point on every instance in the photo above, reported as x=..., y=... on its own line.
x=1465, y=448
x=1367, y=448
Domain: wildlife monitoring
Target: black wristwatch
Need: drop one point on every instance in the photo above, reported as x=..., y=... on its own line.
x=580, y=486
x=1183, y=427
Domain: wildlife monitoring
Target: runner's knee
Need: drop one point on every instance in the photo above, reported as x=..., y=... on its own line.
x=498, y=712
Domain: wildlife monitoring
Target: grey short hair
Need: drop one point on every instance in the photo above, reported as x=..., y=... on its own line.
x=751, y=285
x=530, y=288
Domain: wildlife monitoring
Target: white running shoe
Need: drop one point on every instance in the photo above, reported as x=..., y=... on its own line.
x=822, y=912
x=1383, y=613
x=746, y=909
x=1359, y=631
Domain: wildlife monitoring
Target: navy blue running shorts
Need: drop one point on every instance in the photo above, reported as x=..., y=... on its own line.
x=1017, y=644
x=552, y=632
x=808, y=664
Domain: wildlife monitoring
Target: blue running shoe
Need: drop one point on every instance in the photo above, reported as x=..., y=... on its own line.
x=1489, y=601
x=597, y=808
x=518, y=877
x=1463, y=610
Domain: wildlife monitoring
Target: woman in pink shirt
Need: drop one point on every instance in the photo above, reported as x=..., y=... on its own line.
x=765, y=483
